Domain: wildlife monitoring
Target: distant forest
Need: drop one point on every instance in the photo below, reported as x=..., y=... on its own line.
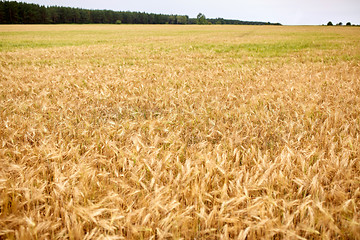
x=12, y=12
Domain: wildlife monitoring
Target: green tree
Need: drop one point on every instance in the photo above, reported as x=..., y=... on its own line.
x=330, y=23
x=182, y=19
x=172, y=19
x=201, y=19
x=219, y=21
x=2, y=13
x=348, y=24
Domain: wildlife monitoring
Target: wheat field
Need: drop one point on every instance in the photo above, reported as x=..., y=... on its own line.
x=179, y=132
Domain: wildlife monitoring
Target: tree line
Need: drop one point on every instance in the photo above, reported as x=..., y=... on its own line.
x=12, y=12
x=201, y=19
x=339, y=24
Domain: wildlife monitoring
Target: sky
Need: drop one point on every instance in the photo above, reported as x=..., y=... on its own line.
x=286, y=12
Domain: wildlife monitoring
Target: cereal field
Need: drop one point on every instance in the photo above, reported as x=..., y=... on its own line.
x=179, y=132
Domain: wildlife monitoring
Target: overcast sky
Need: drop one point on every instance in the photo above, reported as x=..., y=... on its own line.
x=287, y=12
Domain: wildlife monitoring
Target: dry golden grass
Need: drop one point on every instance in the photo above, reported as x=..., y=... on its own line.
x=179, y=132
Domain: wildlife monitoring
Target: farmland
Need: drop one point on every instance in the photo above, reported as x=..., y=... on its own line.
x=179, y=132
